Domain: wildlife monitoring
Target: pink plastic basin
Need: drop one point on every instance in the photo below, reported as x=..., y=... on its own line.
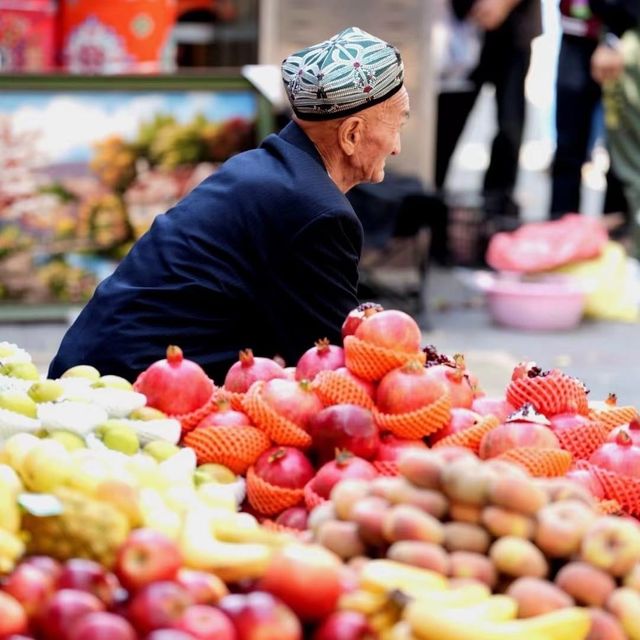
x=547, y=304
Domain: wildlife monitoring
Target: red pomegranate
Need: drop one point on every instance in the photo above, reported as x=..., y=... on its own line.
x=344, y=426
x=460, y=420
x=345, y=466
x=391, y=329
x=588, y=480
x=368, y=386
x=408, y=388
x=526, y=428
x=324, y=356
x=294, y=518
x=391, y=447
x=620, y=456
x=284, y=467
x=569, y=420
x=294, y=400
x=175, y=385
x=357, y=315
x=456, y=381
x=224, y=416
x=501, y=408
x=632, y=428
x=250, y=368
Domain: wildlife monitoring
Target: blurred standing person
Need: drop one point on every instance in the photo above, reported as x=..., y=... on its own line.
x=578, y=99
x=508, y=26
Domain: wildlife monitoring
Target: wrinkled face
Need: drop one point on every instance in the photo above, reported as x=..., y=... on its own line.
x=383, y=126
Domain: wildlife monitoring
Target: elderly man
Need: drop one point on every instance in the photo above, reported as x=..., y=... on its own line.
x=264, y=253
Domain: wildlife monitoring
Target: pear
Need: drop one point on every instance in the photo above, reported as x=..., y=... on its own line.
x=19, y=402
x=82, y=371
x=45, y=391
x=121, y=438
x=69, y=440
x=111, y=423
x=213, y=472
x=6, y=349
x=147, y=413
x=46, y=466
x=160, y=449
x=22, y=370
x=115, y=382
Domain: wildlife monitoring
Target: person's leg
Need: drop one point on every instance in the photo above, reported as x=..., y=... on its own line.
x=576, y=98
x=454, y=108
x=509, y=70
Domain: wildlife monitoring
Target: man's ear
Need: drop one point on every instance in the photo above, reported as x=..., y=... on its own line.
x=350, y=134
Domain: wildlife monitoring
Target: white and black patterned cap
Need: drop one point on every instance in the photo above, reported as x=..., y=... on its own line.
x=349, y=72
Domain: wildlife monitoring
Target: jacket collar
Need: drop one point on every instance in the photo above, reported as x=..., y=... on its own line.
x=294, y=135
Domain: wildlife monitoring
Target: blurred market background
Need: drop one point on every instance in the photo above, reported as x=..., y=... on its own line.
x=112, y=111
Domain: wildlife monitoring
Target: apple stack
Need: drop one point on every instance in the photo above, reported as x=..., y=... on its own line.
x=542, y=542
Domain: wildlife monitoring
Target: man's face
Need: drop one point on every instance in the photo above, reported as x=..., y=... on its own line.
x=384, y=123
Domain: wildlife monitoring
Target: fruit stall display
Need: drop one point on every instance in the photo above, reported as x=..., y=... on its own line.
x=371, y=491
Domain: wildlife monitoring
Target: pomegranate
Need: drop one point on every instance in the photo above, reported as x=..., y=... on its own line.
x=391, y=329
x=461, y=419
x=224, y=416
x=588, y=480
x=569, y=420
x=357, y=315
x=294, y=518
x=284, y=467
x=632, y=428
x=408, y=388
x=501, y=408
x=292, y=399
x=620, y=456
x=456, y=381
x=250, y=368
x=391, y=448
x=367, y=386
x=345, y=466
x=324, y=356
x=344, y=426
x=175, y=385
x=525, y=428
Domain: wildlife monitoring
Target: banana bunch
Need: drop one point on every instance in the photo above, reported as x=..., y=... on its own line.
x=231, y=545
x=407, y=603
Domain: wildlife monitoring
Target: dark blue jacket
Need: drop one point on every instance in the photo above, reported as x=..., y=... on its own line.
x=262, y=254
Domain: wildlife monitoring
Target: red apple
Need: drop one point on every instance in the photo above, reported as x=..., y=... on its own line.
x=147, y=556
x=63, y=609
x=101, y=626
x=46, y=564
x=202, y=586
x=460, y=420
x=308, y=578
x=87, y=575
x=158, y=605
x=206, y=623
x=260, y=616
x=344, y=625
x=169, y=634
x=13, y=619
x=344, y=426
x=30, y=586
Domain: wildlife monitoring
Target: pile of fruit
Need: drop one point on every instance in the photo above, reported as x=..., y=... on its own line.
x=370, y=491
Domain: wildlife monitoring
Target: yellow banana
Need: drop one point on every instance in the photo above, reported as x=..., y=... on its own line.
x=12, y=549
x=233, y=528
x=387, y=575
x=431, y=623
x=463, y=596
x=230, y=561
x=384, y=619
x=362, y=601
x=399, y=631
x=497, y=608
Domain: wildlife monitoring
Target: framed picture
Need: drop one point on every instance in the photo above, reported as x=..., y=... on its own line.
x=86, y=163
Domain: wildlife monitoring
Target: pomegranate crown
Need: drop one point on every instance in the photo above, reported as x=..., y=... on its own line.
x=323, y=345
x=174, y=355
x=623, y=438
x=246, y=357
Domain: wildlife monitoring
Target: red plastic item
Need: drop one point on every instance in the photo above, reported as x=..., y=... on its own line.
x=540, y=246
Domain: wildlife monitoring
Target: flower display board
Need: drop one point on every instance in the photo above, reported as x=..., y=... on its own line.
x=86, y=163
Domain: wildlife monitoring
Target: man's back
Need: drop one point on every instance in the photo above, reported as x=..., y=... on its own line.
x=262, y=254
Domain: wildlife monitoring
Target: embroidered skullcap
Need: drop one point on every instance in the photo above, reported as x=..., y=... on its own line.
x=349, y=72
